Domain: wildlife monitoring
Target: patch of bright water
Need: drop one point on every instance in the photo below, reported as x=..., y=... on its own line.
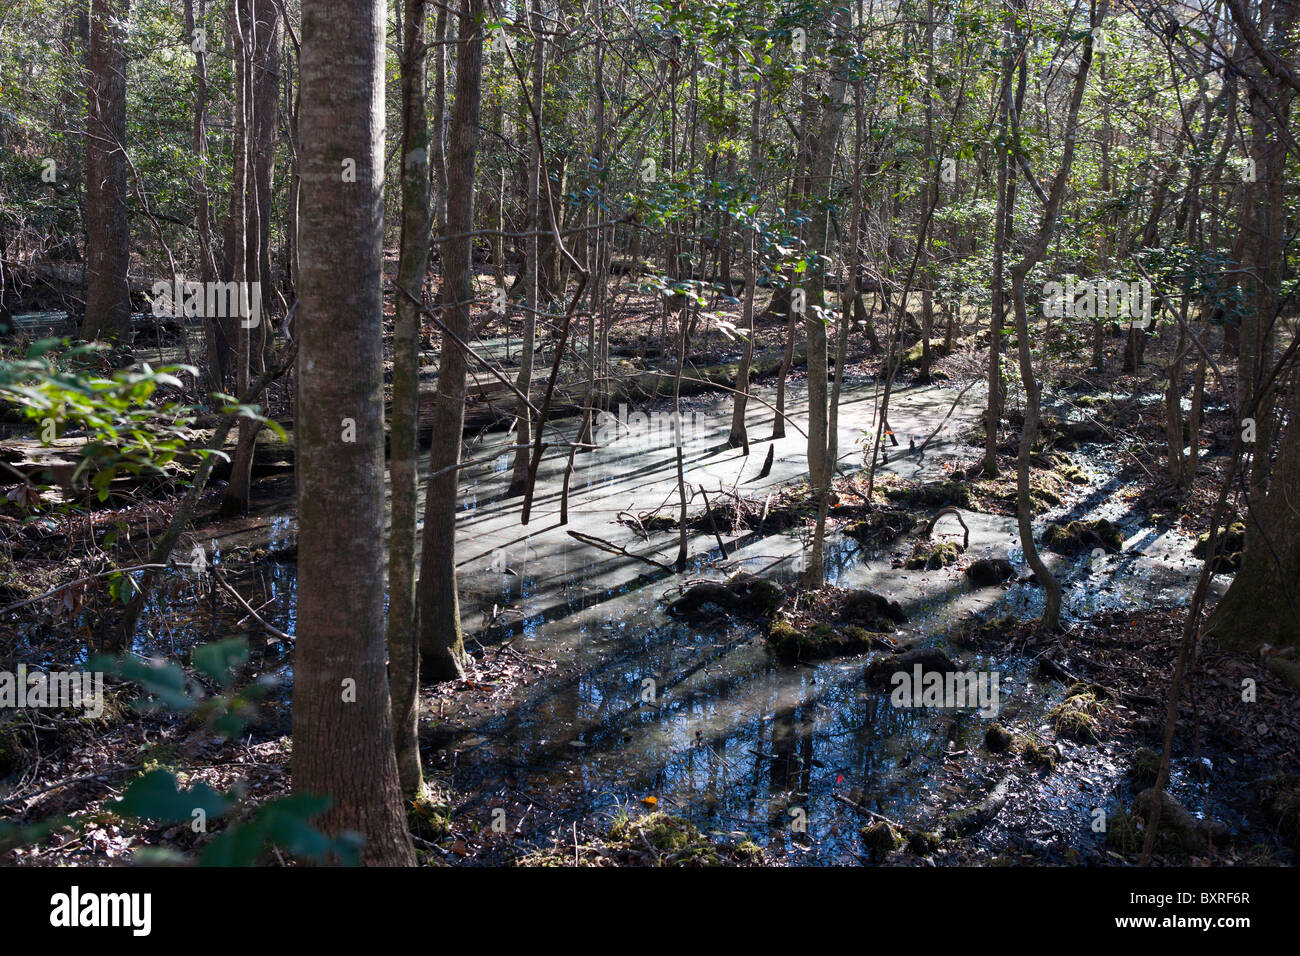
x=701, y=718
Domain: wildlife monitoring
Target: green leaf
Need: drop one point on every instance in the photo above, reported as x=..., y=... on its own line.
x=162, y=679
x=221, y=660
x=155, y=796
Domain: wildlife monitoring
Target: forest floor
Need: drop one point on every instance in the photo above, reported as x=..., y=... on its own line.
x=549, y=752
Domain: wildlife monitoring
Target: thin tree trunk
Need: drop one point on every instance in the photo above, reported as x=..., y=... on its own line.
x=413, y=263
x=1034, y=249
x=442, y=642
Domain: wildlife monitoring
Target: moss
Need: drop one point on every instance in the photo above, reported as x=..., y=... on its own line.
x=1040, y=493
x=667, y=835
x=768, y=596
x=881, y=838
x=1041, y=755
x=160, y=756
x=428, y=816
x=1075, y=718
x=912, y=357
x=1059, y=467
x=924, y=842
x=932, y=494
x=1231, y=542
x=819, y=640
x=998, y=739
x=1083, y=535
x=1080, y=689
x=930, y=557
x=997, y=628
x=870, y=608
x=1145, y=767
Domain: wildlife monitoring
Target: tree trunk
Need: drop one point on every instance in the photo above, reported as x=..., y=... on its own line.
x=818, y=190
x=342, y=721
x=442, y=643
x=108, y=231
x=1034, y=249
x=403, y=652
x=528, y=346
x=1261, y=604
x=240, y=230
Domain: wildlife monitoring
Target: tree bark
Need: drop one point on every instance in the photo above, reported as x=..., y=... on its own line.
x=442, y=642
x=413, y=263
x=342, y=721
x=108, y=231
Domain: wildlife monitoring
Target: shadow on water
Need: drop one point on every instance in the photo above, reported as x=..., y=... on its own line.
x=700, y=717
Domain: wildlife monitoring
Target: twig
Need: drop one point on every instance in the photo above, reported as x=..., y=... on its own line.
x=615, y=549
x=275, y=631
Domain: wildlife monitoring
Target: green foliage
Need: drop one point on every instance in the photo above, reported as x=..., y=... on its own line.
x=157, y=795
x=127, y=430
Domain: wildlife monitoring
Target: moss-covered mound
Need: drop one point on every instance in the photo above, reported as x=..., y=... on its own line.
x=931, y=494
x=655, y=839
x=835, y=622
x=871, y=609
x=1079, y=536
x=1042, y=755
x=998, y=739
x=881, y=838
x=929, y=659
x=1227, y=556
x=742, y=594
x=989, y=572
x=881, y=526
x=820, y=640
x=1075, y=717
x=930, y=556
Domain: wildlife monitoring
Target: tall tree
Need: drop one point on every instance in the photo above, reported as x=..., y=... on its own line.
x=342, y=721
x=1033, y=248
x=108, y=230
x=413, y=263
x=256, y=28
x=442, y=642
x=532, y=302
